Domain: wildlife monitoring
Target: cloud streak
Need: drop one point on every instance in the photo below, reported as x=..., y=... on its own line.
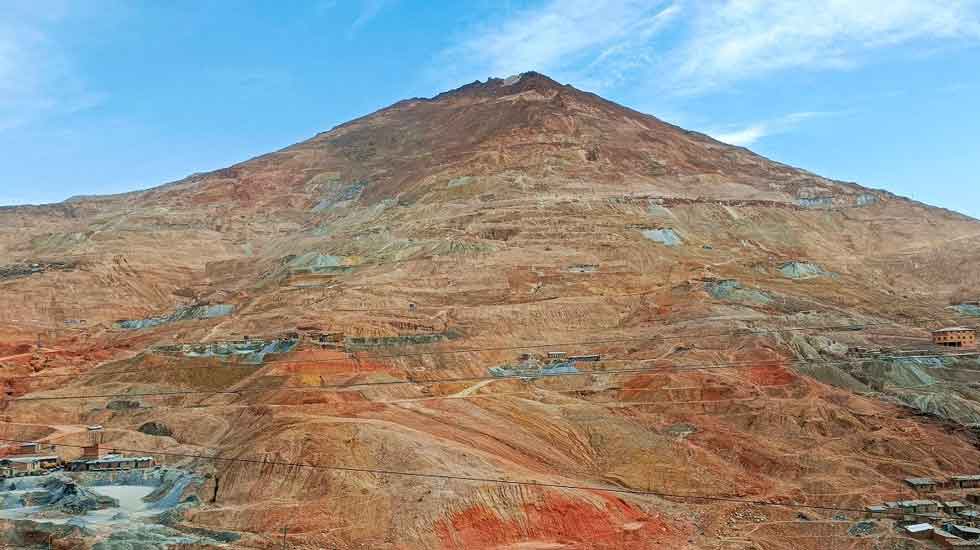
x=369, y=10
x=751, y=133
x=690, y=46
x=596, y=41
x=36, y=78
x=741, y=39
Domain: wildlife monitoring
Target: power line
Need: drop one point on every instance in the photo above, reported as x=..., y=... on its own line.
x=775, y=362
x=733, y=332
x=421, y=307
x=472, y=479
x=536, y=376
x=471, y=350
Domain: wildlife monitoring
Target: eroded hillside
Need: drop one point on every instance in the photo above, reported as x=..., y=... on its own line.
x=348, y=312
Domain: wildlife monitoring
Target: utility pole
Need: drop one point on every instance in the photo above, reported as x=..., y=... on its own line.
x=284, y=531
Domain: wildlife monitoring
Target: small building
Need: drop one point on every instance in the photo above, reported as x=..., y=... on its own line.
x=111, y=463
x=973, y=498
x=963, y=531
x=29, y=465
x=919, y=506
x=969, y=514
x=93, y=451
x=27, y=449
x=965, y=482
x=943, y=536
x=955, y=337
x=922, y=484
x=6, y=471
x=877, y=511
x=557, y=355
x=584, y=358
x=21, y=466
x=919, y=530
x=954, y=506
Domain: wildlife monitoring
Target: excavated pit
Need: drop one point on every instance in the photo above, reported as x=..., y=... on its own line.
x=115, y=510
x=181, y=314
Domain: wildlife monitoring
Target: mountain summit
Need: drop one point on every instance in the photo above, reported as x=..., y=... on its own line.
x=361, y=322
x=486, y=130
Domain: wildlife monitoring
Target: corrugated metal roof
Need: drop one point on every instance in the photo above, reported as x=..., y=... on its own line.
x=119, y=459
x=918, y=527
x=27, y=459
x=920, y=481
x=916, y=503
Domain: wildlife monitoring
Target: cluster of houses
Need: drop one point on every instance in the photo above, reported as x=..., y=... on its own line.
x=31, y=459
x=28, y=459
x=949, y=522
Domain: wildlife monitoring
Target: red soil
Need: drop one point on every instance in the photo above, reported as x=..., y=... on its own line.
x=333, y=362
x=15, y=349
x=558, y=519
x=771, y=376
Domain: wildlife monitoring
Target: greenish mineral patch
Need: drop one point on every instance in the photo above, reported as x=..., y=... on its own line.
x=682, y=430
x=816, y=347
x=16, y=271
x=802, y=270
x=732, y=291
x=664, y=235
x=534, y=369
x=865, y=199
x=314, y=262
x=973, y=310
x=901, y=373
x=181, y=314
x=322, y=230
x=460, y=181
x=658, y=211
x=815, y=202
x=349, y=193
x=252, y=352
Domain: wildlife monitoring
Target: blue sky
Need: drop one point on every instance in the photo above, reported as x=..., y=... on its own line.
x=108, y=96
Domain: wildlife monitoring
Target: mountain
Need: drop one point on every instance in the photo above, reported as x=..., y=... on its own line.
x=437, y=239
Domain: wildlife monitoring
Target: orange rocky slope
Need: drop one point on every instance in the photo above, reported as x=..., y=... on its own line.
x=512, y=213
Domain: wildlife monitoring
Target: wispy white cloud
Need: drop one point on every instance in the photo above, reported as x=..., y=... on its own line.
x=324, y=6
x=36, y=76
x=744, y=137
x=739, y=39
x=594, y=41
x=369, y=10
x=751, y=133
x=696, y=46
